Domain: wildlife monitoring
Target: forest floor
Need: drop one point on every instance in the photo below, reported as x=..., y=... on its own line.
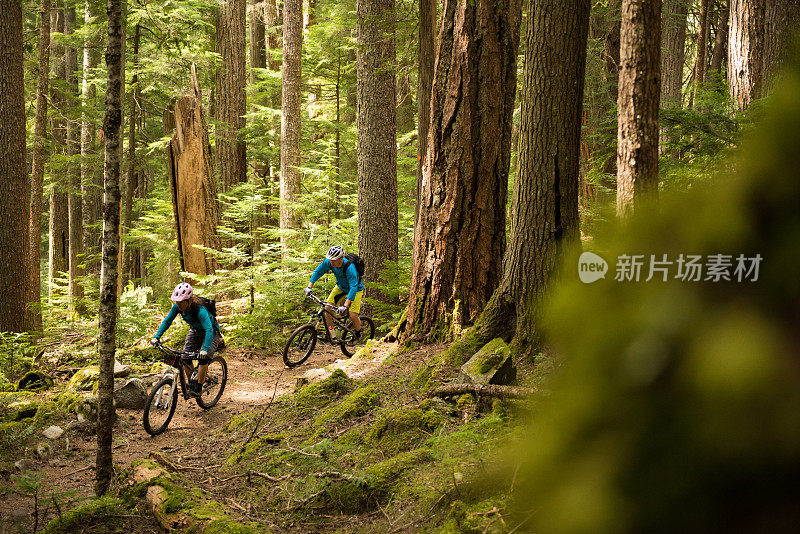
x=253, y=380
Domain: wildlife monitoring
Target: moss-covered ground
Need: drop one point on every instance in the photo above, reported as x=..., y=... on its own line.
x=374, y=454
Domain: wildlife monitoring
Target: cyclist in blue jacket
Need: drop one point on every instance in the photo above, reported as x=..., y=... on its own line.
x=347, y=283
x=204, y=334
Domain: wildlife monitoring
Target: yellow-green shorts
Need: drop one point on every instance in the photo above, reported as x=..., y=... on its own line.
x=338, y=294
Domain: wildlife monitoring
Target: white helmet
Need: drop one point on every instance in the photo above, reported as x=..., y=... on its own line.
x=182, y=291
x=335, y=252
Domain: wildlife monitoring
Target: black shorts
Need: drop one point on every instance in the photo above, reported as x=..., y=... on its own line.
x=194, y=342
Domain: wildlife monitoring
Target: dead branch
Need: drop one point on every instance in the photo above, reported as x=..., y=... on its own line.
x=483, y=390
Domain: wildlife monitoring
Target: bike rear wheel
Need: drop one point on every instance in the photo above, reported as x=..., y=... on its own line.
x=300, y=345
x=214, y=384
x=160, y=407
x=349, y=347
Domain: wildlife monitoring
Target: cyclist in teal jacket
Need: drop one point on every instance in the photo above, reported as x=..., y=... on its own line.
x=347, y=283
x=204, y=334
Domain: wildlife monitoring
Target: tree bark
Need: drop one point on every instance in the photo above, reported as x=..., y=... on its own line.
x=746, y=51
x=720, y=38
x=639, y=95
x=460, y=237
x=377, y=134
x=426, y=59
x=781, y=19
x=58, y=249
x=673, y=41
x=14, y=194
x=290, y=118
x=132, y=180
x=194, y=193
x=75, y=208
x=112, y=128
x=231, y=103
x=544, y=205
x=702, y=43
x=91, y=174
x=36, y=204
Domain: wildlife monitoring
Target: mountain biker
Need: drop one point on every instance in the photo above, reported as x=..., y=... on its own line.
x=204, y=333
x=347, y=282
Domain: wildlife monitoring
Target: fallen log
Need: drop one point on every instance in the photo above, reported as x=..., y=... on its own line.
x=483, y=390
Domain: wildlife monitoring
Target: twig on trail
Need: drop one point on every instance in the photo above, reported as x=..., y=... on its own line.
x=80, y=470
x=159, y=458
x=260, y=417
x=254, y=473
x=304, y=453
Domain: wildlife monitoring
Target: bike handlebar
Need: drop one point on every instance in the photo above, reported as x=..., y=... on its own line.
x=172, y=352
x=319, y=301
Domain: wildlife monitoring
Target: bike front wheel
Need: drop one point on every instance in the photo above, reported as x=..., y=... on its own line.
x=160, y=407
x=214, y=383
x=300, y=345
x=349, y=346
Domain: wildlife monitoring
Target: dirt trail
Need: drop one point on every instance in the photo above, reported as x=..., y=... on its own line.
x=251, y=384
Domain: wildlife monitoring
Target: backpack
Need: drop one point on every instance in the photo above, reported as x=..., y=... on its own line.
x=357, y=261
x=210, y=306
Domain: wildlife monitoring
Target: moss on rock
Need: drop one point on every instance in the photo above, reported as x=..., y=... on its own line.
x=104, y=510
x=400, y=429
x=322, y=393
x=359, y=402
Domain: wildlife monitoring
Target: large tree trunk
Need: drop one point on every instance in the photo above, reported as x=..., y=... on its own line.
x=112, y=128
x=781, y=19
x=231, y=103
x=461, y=229
x=14, y=193
x=132, y=179
x=426, y=58
x=699, y=76
x=377, y=147
x=290, y=117
x=58, y=249
x=37, y=171
x=75, y=208
x=91, y=174
x=639, y=92
x=720, y=39
x=673, y=41
x=746, y=51
x=544, y=205
x=194, y=193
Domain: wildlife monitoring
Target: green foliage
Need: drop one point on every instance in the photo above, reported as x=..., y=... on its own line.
x=16, y=357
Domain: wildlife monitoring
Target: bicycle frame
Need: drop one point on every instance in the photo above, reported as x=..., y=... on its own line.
x=318, y=317
x=178, y=370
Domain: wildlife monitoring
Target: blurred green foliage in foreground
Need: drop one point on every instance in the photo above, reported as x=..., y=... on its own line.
x=678, y=405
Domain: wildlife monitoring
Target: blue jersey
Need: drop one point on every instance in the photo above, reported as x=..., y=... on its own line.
x=346, y=277
x=203, y=322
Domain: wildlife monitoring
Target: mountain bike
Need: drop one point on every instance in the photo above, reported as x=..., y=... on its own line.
x=301, y=343
x=163, y=398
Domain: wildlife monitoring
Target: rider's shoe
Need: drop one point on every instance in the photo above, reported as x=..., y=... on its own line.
x=356, y=336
